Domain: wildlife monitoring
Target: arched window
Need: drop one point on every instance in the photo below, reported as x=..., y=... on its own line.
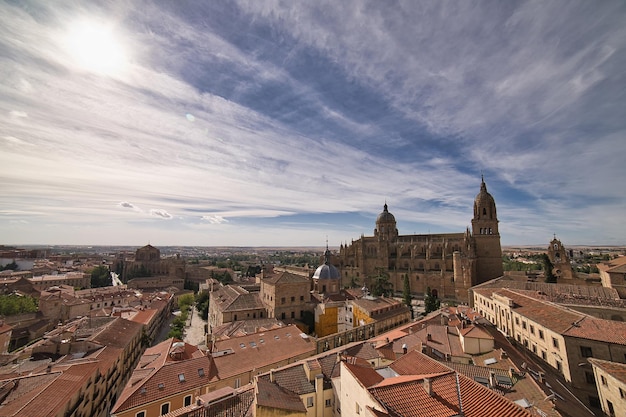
x=484, y=211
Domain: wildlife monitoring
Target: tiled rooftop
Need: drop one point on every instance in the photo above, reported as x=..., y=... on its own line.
x=615, y=369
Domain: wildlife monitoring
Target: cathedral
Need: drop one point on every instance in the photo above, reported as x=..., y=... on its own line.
x=447, y=263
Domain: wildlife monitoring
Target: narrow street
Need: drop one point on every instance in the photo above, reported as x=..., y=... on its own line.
x=194, y=334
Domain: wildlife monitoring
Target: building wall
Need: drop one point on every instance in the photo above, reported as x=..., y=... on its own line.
x=326, y=318
x=276, y=412
x=354, y=397
x=611, y=392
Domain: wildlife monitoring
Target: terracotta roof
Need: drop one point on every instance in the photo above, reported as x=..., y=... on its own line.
x=165, y=369
x=409, y=398
x=235, y=298
x=366, y=375
x=592, y=328
x=260, y=349
x=615, y=369
x=547, y=314
x=287, y=278
x=564, y=320
x=274, y=396
x=476, y=332
x=294, y=379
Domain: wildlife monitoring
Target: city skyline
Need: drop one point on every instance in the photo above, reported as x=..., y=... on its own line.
x=268, y=123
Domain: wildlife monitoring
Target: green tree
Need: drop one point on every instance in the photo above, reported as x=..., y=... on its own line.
x=202, y=304
x=100, y=276
x=547, y=267
x=13, y=304
x=406, y=293
x=10, y=266
x=381, y=286
x=431, y=302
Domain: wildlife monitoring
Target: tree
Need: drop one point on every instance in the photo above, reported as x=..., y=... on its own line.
x=13, y=304
x=202, y=304
x=10, y=266
x=431, y=302
x=100, y=276
x=406, y=293
x=547, y=267
x=381, y=285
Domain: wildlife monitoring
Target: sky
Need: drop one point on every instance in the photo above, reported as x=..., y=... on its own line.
x=285, y=123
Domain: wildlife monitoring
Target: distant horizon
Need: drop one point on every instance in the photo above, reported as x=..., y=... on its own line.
x=261, y=123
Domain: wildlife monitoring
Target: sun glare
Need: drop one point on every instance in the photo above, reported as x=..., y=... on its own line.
x=95, y=47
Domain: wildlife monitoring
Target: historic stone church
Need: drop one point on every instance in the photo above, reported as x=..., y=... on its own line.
x=448, y=263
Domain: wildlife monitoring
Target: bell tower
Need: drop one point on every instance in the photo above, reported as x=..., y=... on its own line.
x=486, y=237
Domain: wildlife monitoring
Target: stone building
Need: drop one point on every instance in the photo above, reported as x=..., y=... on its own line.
x=561, y=337
x=611, y=382
x=148, y=263
x=448, y=263
x=560, y=258
x=613, y=275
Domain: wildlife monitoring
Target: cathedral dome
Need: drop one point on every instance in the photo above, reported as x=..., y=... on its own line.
x=326, y=270
x=385, y=216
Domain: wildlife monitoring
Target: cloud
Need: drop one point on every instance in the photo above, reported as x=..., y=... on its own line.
x=161, y=214
x=214, y=219
x=316, y=109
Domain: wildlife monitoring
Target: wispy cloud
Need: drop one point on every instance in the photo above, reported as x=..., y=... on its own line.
x=249, y=116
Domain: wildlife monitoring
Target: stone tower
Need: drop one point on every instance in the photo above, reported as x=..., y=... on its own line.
x=560, y=260
x=486, y=237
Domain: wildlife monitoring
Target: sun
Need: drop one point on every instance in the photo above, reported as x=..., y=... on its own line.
x=96, y=47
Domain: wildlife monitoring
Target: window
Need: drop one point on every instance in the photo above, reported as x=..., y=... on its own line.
x=589, y=377
x=328, y=402
x=200, y=372
x=309, y=401
x=165, y=408
x=603, y=379
x=141, y=414
x=585, y=352
x=541, y=334
x=544, y=356
x=302, y=298
x=187, y=401
x=532, y=329
x=358, y=408
x=237, y=383
x=559, y=366
x=282, y=300
x=181, y=377
x=524, y=325
x=517, y=320
x=293, y=314
x=555, y=343
x=621, y=393
x=293, y=299
x=609, y=405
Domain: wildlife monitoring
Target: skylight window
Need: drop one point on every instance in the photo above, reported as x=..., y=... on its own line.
x=161, y=385
x=242, y=345
x=253, y=344
x=181, y=377
x=200, y=371
x=262, y=340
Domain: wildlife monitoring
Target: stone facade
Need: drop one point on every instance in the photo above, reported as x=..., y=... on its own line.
x=448, y=263
x=560, y=258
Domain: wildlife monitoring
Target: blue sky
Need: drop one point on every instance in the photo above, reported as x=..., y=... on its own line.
x=282, y=123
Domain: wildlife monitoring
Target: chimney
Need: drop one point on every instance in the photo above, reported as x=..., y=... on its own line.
x=429, y=337
x=428, y=386
x=404, y=348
